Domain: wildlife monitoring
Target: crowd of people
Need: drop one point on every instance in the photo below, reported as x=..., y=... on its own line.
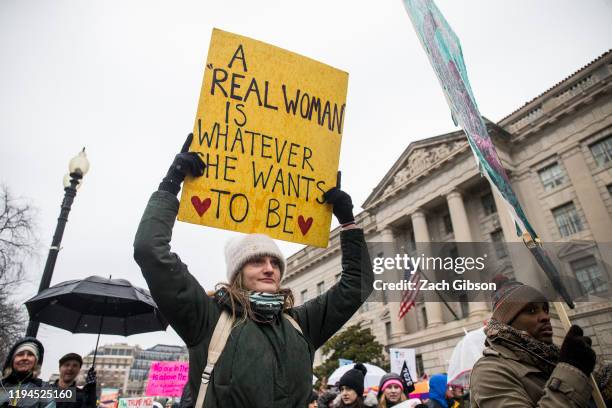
x=391, y=392
x=250, y=347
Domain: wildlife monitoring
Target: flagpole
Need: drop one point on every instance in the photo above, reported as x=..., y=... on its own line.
x=441, y=298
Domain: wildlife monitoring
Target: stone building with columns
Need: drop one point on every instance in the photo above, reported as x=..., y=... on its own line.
x=557, y=149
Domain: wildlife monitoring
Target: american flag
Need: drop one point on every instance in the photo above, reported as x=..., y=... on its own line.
x=409, y=296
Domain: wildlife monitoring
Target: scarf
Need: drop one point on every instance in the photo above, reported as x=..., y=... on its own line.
x=266, y=305
x=537, y=353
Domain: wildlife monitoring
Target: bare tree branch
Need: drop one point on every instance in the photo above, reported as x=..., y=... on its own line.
x=18, y=244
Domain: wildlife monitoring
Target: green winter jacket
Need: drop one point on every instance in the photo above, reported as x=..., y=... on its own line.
x=262, y=365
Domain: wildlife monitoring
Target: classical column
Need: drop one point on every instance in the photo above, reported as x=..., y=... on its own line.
x=594, y=209
x=398, y=327
x=525, y=268
x=421, y=237
x=463, y=233
x=459, y=218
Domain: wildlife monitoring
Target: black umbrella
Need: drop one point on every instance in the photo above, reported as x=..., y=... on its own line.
x=97, y=305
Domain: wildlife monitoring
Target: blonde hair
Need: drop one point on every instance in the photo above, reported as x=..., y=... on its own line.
x=239, y=297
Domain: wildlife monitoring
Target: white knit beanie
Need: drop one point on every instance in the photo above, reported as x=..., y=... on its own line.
x=29, y=346
x=239, y=250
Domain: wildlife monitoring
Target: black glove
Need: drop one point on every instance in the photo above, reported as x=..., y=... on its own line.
x=343, y=205
x=576, y=350
x=91, y=376
x=184, y=163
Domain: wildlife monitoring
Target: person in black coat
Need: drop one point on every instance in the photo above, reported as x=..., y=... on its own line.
x=69, y=368
x=20, y=373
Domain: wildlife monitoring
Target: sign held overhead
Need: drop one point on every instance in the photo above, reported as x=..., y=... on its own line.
x=269, y=127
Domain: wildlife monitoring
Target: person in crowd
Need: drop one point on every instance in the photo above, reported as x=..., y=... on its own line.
x=351, y=387
x=521, y=367
x=326, y=399
x=20, y=374
x=69, y=368
x=312, y=401
x=391, y=390
x=438, y=392
x=457, y=397
x=267, y=361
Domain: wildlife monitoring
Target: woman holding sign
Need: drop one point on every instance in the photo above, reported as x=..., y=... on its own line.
x=267, y=360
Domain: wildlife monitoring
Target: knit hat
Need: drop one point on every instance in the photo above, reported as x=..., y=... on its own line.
x=390, y=379
x=28, y=346
x=240, y=250
x=27, y=343
x=510, y=298
x=353, y=378
x=71, y=356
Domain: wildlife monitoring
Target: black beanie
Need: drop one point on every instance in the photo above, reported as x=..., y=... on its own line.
x=353, y=379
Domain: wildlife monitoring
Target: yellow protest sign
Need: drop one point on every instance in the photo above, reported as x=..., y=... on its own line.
x=269, y=127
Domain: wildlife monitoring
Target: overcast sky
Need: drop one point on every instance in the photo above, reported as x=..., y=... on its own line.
x=123, y=79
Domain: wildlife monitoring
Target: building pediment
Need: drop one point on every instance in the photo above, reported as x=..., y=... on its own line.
x=421, y=158
x=418, y=160
x=572, y=248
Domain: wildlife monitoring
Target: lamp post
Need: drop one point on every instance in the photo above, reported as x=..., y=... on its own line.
x=78, y=167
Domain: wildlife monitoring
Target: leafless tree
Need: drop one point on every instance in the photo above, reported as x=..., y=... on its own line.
x=17, y=245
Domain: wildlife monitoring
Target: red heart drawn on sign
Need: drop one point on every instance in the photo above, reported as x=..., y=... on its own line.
x=200, y=205
x=304, y=224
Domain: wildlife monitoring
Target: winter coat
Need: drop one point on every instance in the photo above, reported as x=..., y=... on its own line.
x=13, y=381
x=85, y=397
x=503, y=378
x=14, y=384
x=267, y=365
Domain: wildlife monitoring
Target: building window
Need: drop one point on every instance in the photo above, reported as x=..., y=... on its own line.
x=388, y=330
x=419, y=366
x=552, y=176
x=498, y=243
x=567, y=219
x=609, y=187
x=410, y=242
x=602, y=151
x=589, y=275
x=423, y=316
x=488, y=204
x=304, y=295
x=320, y=288
x=465, y=306
x=448, y=224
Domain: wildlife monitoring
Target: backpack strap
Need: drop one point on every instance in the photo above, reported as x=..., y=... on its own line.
x=295, y=324
x=215, y=348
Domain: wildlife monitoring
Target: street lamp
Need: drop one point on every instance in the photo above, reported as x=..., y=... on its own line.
x=77, y=168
